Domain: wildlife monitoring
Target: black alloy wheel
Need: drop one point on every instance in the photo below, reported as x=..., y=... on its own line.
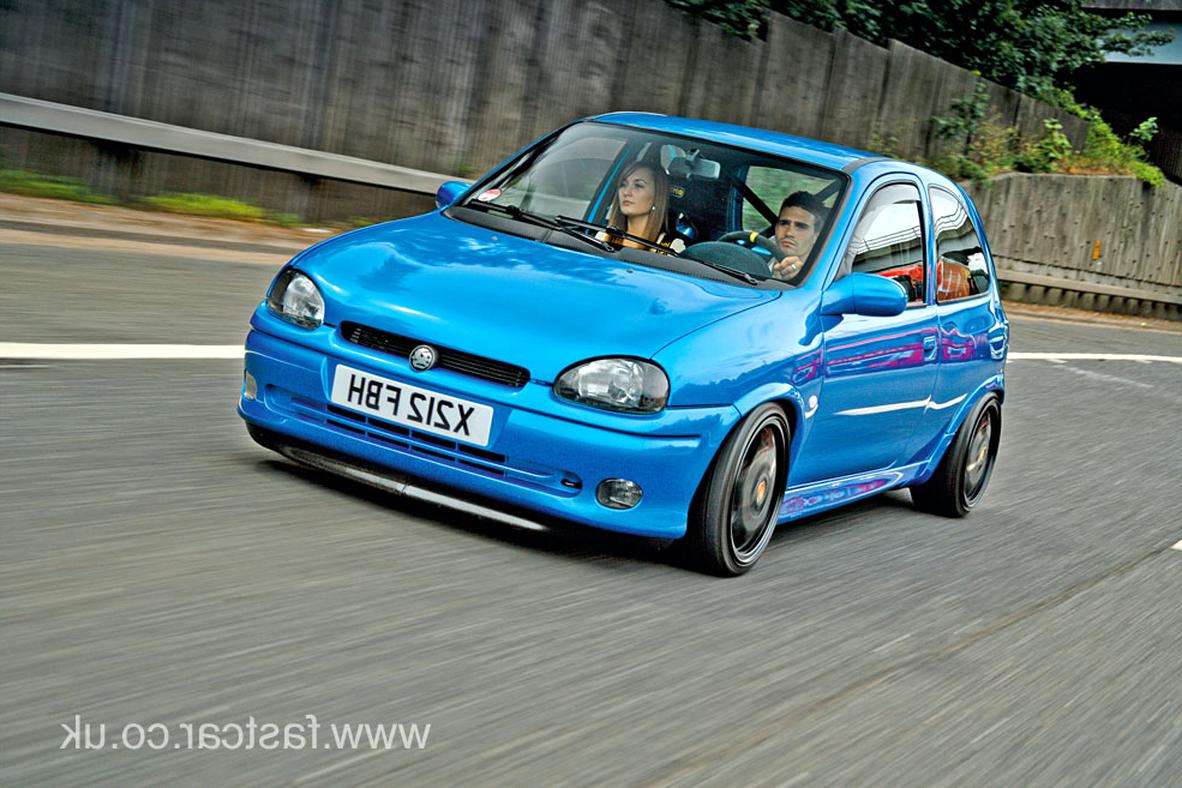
x=963, y=474
x=735, y=511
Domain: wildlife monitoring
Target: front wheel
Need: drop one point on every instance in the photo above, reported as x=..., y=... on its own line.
x=962, y=475
x=734, y=513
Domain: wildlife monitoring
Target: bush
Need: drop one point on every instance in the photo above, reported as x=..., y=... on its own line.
x=884, y=145
x=1105, y=153
x=1045, y=154
x=986, y=148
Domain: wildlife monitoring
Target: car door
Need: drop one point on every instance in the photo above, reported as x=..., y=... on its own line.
x=879, y=372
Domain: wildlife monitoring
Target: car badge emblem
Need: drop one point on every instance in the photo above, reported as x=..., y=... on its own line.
x=422, y=358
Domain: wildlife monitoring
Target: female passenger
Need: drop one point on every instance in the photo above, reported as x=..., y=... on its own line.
x=641, y=207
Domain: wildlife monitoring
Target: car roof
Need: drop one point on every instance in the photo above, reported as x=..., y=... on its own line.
x=822, y=154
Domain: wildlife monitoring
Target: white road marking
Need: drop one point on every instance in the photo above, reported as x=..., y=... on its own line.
x=98, y=352
x=1177, y=545
x=1092, y=357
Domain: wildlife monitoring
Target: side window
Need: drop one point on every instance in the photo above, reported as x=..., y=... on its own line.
x=888, y=240
x=961, y=271
x=772, y=185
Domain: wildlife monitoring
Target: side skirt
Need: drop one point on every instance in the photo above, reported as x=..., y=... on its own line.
x=803, y=500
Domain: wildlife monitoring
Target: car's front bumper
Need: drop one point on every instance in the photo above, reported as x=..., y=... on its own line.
x=545, y=455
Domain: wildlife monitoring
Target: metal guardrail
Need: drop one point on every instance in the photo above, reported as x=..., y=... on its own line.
x=147, y=134
x=1055, y=283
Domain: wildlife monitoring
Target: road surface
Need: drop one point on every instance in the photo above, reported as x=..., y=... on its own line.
x=158, y=567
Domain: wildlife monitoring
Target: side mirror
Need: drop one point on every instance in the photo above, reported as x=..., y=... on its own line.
x=449, y=192
x=864, y=294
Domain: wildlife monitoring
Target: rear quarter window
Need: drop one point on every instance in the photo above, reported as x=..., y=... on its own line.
x=961, y=270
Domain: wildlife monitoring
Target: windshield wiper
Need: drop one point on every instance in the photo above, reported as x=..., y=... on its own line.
x=736, y=273
x=617, y=232
x=515, y=212
x=571, y=227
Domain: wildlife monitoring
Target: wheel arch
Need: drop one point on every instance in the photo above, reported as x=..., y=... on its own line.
x=994, y=386
x=787, y=398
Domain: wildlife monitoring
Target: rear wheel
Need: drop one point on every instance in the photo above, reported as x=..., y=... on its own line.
x=734, y=513
x=962, y=475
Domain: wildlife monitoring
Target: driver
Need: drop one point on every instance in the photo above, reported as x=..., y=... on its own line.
x=801, y=217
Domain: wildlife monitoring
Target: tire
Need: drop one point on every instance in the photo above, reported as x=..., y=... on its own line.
x=735, y=511
x=963, y=473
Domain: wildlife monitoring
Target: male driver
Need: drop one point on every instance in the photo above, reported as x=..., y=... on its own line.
x=801, y=216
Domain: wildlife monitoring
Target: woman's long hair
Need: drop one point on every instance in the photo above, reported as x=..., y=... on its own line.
x=659, y=215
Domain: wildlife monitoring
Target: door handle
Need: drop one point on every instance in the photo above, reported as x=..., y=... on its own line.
x=929, y=347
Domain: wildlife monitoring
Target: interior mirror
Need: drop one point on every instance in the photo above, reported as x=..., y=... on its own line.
x=449, y=192
x=864, y=294
x=693, y=167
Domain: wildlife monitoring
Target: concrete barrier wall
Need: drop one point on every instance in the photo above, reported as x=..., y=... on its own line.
x=1049, y=225
x=454, y=86
x=445, y=86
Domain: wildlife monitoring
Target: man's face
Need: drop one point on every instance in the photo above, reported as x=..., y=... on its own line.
x=796, y=231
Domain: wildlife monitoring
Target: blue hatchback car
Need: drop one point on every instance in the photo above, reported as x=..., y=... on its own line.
x=660, y=326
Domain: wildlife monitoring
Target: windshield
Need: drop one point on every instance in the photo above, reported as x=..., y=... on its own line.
x=651, y=195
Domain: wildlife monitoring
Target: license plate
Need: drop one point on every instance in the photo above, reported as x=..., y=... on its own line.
x=411, y=406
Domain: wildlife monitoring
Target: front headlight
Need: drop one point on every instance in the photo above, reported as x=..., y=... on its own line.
x=295, y=298
x=628, y=385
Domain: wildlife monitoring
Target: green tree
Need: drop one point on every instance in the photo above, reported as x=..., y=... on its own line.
x=1029, y=45
x=739, y=17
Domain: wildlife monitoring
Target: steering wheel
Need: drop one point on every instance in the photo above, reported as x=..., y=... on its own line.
x=747, y=240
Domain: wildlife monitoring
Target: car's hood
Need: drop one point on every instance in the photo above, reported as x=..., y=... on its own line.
x=457, y=285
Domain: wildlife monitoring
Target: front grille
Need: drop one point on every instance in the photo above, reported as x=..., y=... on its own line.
x=447, y=358
x=424, y=445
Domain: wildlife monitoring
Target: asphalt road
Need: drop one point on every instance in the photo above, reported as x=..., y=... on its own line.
x=158, y=567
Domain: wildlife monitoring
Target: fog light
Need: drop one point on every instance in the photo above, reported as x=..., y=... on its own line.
x=250, y=389
x=618, y=493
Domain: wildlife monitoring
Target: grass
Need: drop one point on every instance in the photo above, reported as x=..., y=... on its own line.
x=193, y=204
x=56, y=187
x=205, y=205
